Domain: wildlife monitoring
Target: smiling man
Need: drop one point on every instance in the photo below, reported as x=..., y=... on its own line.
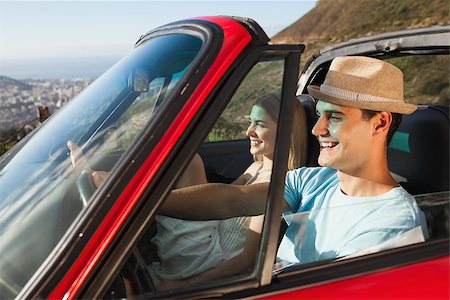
x=351, y=203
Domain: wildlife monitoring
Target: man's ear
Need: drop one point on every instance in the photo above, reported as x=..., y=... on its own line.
x=382, y=121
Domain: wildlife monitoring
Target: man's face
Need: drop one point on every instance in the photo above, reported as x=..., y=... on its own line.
x=344, y=137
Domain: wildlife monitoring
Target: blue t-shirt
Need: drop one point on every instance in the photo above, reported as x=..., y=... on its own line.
x=325, y=223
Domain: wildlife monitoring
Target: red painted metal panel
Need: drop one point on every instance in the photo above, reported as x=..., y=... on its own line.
x=424, y=280
x=236, y=38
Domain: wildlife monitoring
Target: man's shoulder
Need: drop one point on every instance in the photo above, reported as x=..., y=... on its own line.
x=310, y=173
x=399, y=192
x=396, y=196
x=310, y=179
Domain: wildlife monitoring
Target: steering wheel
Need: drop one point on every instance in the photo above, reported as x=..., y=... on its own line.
x=85, y=186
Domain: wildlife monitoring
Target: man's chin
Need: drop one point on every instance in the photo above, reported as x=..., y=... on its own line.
x=323, y=162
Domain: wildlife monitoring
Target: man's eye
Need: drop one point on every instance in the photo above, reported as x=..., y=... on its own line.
x=335, y=118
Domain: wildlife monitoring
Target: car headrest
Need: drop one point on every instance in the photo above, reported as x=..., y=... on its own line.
x=309, y=104
x=418, y=154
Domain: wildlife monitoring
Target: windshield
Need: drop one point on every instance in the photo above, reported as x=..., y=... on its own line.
x=39, y=198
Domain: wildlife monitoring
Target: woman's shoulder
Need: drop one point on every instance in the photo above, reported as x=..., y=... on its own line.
x=248, y=173
x=254, y=167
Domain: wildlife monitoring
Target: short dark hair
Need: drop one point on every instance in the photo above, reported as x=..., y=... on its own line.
x=396, y=120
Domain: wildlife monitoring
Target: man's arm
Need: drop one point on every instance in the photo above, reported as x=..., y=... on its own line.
x=216, y=201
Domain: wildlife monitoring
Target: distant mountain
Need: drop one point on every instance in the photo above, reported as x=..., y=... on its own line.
x=333, y=21
x=8, y=83
x=339, y=20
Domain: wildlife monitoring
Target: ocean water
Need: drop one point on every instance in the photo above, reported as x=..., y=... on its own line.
x=57, y=68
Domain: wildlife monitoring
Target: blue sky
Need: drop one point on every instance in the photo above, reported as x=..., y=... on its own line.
x=38, y=31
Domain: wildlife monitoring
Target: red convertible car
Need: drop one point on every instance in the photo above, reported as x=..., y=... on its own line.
x=187, y=88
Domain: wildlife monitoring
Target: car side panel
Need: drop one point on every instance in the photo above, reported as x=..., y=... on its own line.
x=425, y=280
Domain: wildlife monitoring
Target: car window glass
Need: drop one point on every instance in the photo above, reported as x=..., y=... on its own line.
x=180, y=253
x=122, y=132
x=264, y=78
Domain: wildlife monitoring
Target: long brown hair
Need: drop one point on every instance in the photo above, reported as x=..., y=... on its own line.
x=298, y=141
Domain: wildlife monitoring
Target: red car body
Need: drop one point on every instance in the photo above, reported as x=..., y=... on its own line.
x=94, y=249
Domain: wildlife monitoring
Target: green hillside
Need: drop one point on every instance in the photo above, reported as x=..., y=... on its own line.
x=334, y=21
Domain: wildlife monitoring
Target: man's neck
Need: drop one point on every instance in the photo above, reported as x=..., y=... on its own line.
x=372, y=182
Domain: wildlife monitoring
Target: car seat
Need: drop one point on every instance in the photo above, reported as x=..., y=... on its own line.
x=309, y=105
x=418, y=155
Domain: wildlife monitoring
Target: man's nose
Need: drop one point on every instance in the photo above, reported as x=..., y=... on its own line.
x=320, y=128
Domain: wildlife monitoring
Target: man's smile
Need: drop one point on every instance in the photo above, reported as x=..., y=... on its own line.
x=328, y=145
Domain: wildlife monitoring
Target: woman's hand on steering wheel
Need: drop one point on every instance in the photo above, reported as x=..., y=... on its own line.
x=88, y=180
x=79, y=162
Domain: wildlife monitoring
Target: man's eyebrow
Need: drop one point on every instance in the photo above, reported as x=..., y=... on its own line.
x=331, y=111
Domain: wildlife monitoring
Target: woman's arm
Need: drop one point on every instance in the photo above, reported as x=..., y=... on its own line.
x=194, y=173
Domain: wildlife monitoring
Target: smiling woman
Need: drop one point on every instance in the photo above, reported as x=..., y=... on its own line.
x=262, y=127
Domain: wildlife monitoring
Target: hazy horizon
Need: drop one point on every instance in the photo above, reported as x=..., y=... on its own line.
x=67, y=39
x=58, y=68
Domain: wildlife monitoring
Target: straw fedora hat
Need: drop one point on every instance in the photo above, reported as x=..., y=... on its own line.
x=363, y=82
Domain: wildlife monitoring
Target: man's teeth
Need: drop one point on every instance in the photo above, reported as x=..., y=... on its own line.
x=328, y=144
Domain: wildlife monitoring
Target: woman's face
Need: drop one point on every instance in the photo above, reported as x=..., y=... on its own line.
x=262, y=132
